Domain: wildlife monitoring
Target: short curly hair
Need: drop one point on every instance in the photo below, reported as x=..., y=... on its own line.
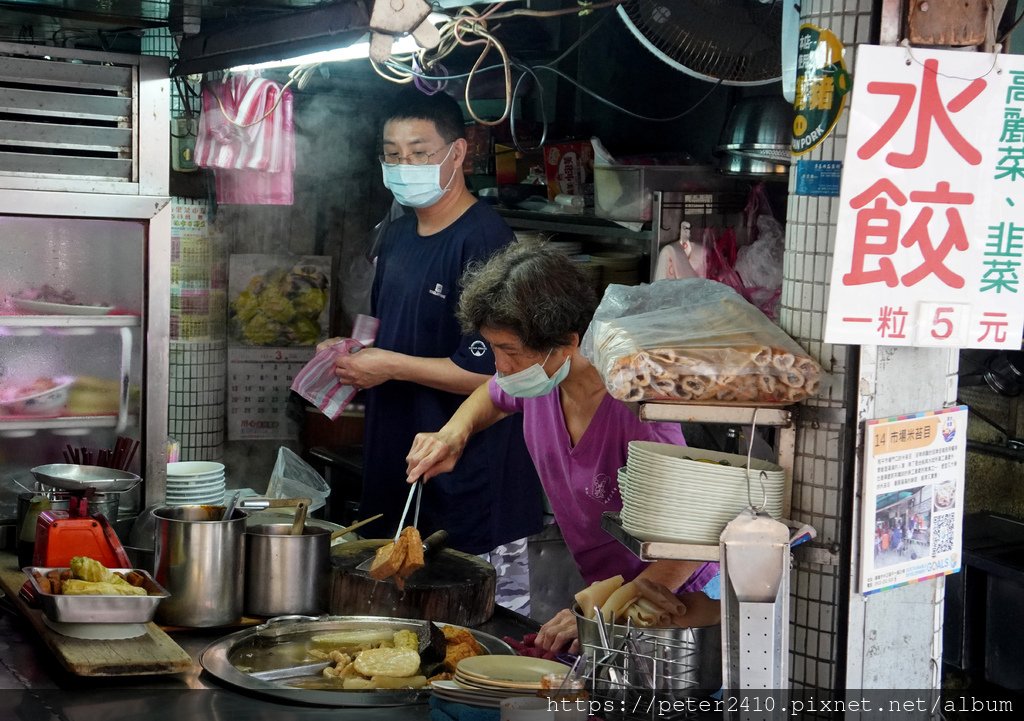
x=531, y=290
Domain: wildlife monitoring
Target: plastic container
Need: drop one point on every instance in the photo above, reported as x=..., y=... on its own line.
x=28, y=515
x=626, y=192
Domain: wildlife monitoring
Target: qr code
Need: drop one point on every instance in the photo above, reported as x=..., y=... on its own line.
x=943, y=527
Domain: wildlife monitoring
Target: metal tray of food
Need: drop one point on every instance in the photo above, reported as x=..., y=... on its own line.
x=98, y=608
x=73, y=477
x=247, y=659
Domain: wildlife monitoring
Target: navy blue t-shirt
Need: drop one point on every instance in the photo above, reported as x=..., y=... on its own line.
x=493, y=496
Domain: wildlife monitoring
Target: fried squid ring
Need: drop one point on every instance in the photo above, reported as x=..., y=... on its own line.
x=762, y=357
x=783, y=360
x=793, y=378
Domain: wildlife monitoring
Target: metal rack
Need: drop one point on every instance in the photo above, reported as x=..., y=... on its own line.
x=753, y=634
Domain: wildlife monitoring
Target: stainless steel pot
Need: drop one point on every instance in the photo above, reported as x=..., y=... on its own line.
x=286, y=574
x=199, y=559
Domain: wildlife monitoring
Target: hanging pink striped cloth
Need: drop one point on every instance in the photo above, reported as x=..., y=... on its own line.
x=247, y=135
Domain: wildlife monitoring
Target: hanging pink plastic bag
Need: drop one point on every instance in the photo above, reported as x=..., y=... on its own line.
x=316, y=381
x=247, y=135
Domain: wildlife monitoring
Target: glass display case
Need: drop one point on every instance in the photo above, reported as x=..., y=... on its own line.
x=84, y=264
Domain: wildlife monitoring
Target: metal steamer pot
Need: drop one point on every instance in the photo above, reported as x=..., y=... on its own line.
x=285, y=573
x=247, y=659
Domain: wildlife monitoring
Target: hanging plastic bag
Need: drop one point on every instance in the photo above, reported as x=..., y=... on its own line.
x=294, y=478
x=757, y=205
x=694, y=340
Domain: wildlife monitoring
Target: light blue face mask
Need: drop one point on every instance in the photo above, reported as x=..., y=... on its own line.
x=416, y=186
x=533, y=382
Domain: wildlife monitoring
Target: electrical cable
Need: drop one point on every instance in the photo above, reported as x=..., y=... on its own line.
x=403, y=69
x=1009, y=30
x=623, y=110
x=580, y=39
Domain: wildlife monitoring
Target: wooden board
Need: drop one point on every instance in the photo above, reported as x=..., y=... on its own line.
x=452, y=587
x=153, y=653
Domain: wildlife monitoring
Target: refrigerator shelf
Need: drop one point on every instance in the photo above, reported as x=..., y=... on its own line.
x=70, y=321
x=66, y=424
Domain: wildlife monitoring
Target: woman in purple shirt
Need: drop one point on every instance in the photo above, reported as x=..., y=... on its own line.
x=532, y=305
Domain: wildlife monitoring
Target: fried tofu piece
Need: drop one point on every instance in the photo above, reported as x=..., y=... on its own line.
x=413, y=552
x=388, y=560
x=461, y=644
x=400, y=559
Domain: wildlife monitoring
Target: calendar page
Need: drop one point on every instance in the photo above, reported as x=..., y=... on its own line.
x=258, y=386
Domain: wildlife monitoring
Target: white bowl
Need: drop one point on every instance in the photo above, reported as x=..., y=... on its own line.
x=24, y=400
x=194, y=468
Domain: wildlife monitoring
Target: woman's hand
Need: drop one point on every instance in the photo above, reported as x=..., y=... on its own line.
x=686, y=610
x=559, y=632
x=365, y=368
x=433, y=454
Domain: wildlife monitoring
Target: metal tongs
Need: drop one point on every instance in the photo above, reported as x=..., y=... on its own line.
x=417, y=489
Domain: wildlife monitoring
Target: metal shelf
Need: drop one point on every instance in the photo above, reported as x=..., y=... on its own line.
x=657, y=550
x=582, y=223
x=671, y=551
x=694, y=413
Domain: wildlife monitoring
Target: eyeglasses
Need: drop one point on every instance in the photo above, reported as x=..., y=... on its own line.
x=415, y=158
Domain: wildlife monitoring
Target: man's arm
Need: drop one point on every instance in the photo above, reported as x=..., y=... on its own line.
x=372, y=366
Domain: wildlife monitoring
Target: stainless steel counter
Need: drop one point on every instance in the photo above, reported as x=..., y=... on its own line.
x=34, y=687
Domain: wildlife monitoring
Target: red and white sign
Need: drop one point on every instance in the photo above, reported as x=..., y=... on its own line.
x=930, y=236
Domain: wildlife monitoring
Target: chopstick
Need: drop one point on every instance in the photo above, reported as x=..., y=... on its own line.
x=358, y=524
x=119, y=457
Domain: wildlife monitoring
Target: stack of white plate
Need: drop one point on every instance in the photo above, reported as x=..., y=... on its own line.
x=192, y=483
x=486, y=680
x=688, y=495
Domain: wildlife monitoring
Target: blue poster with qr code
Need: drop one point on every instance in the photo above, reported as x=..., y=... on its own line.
x=913, y=510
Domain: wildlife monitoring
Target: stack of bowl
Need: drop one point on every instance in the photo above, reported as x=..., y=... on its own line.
x=192, y=483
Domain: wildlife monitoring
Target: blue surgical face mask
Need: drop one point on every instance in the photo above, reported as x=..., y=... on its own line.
x=532, y=382
x=416, y=186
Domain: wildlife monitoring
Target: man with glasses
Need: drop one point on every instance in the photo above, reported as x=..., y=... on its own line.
x=422, y=366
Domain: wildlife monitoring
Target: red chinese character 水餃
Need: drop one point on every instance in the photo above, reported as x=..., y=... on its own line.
x=931, y=110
